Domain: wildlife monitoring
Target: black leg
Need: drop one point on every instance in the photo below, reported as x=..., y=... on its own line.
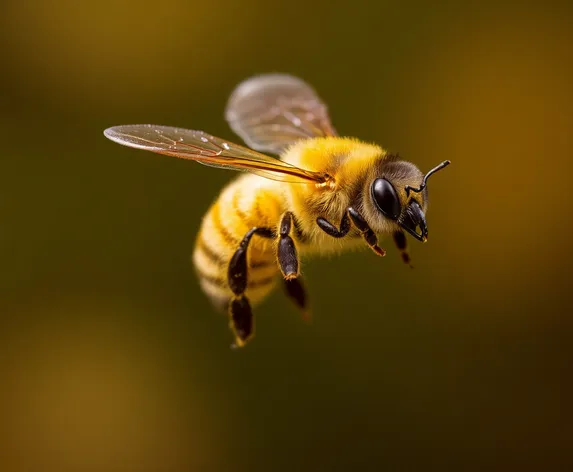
x=287, y=254
x=332, y=230
x=402, y=245
x=241, y=316
x=295, y=290
x=352, y=215
x=241, y=320
x=288, y=261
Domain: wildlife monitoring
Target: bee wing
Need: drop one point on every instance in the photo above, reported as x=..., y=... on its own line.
x=209, y=150
x=271, y=112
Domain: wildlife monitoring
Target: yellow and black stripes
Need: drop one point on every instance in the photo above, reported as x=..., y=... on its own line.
x=228, y=237
x=238, y=210
x=211, y=255
x=247, y=238
x=224, y=281
x=242, y=215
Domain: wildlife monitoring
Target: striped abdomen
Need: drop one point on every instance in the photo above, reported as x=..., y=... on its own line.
x=247, y=202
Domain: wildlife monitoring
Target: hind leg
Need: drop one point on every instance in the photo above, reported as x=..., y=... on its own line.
x=240, y=313
x=294, y=288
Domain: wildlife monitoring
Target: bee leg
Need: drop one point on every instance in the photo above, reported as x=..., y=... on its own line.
x=240, y=313
x=287, y=253
x=288, y=261
x=358, y=220
x=241, y=321
x=332, y=230
x=295, y=290
x=367, y=233
x=401, y=244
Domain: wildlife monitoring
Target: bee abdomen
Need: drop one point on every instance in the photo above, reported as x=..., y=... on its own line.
x=221, y=233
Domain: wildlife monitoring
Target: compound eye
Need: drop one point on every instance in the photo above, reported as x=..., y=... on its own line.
x=386, y=198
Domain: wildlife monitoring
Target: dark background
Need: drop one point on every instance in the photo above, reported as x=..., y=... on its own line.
x=111, y=359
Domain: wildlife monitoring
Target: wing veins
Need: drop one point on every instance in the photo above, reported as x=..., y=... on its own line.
x=277, y=100
x=217, y=152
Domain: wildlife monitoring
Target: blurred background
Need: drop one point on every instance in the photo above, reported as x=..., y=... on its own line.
x=111, y=358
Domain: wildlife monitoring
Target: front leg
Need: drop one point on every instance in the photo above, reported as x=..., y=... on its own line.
x=352, y=215
x=367, y=233
x=332, y=230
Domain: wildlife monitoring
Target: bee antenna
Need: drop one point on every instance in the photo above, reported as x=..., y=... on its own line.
x=425, y=181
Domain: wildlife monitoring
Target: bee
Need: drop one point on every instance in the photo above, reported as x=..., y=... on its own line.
x=325, y=194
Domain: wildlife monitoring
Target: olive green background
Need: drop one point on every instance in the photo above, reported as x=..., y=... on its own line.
x=111, y=359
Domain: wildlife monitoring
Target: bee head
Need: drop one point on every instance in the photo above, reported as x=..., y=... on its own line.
x=400, y=194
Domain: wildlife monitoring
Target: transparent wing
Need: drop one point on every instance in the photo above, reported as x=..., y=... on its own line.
x=209, y=150
x=270, y=112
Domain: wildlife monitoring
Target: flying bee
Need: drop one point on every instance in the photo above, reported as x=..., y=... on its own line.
x=326, y=193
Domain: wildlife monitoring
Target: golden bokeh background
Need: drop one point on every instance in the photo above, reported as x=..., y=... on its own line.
x=111, y=357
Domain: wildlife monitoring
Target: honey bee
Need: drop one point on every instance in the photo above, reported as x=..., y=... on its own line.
x=325, y=194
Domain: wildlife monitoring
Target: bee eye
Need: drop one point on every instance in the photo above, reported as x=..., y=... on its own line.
x=386, y=198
